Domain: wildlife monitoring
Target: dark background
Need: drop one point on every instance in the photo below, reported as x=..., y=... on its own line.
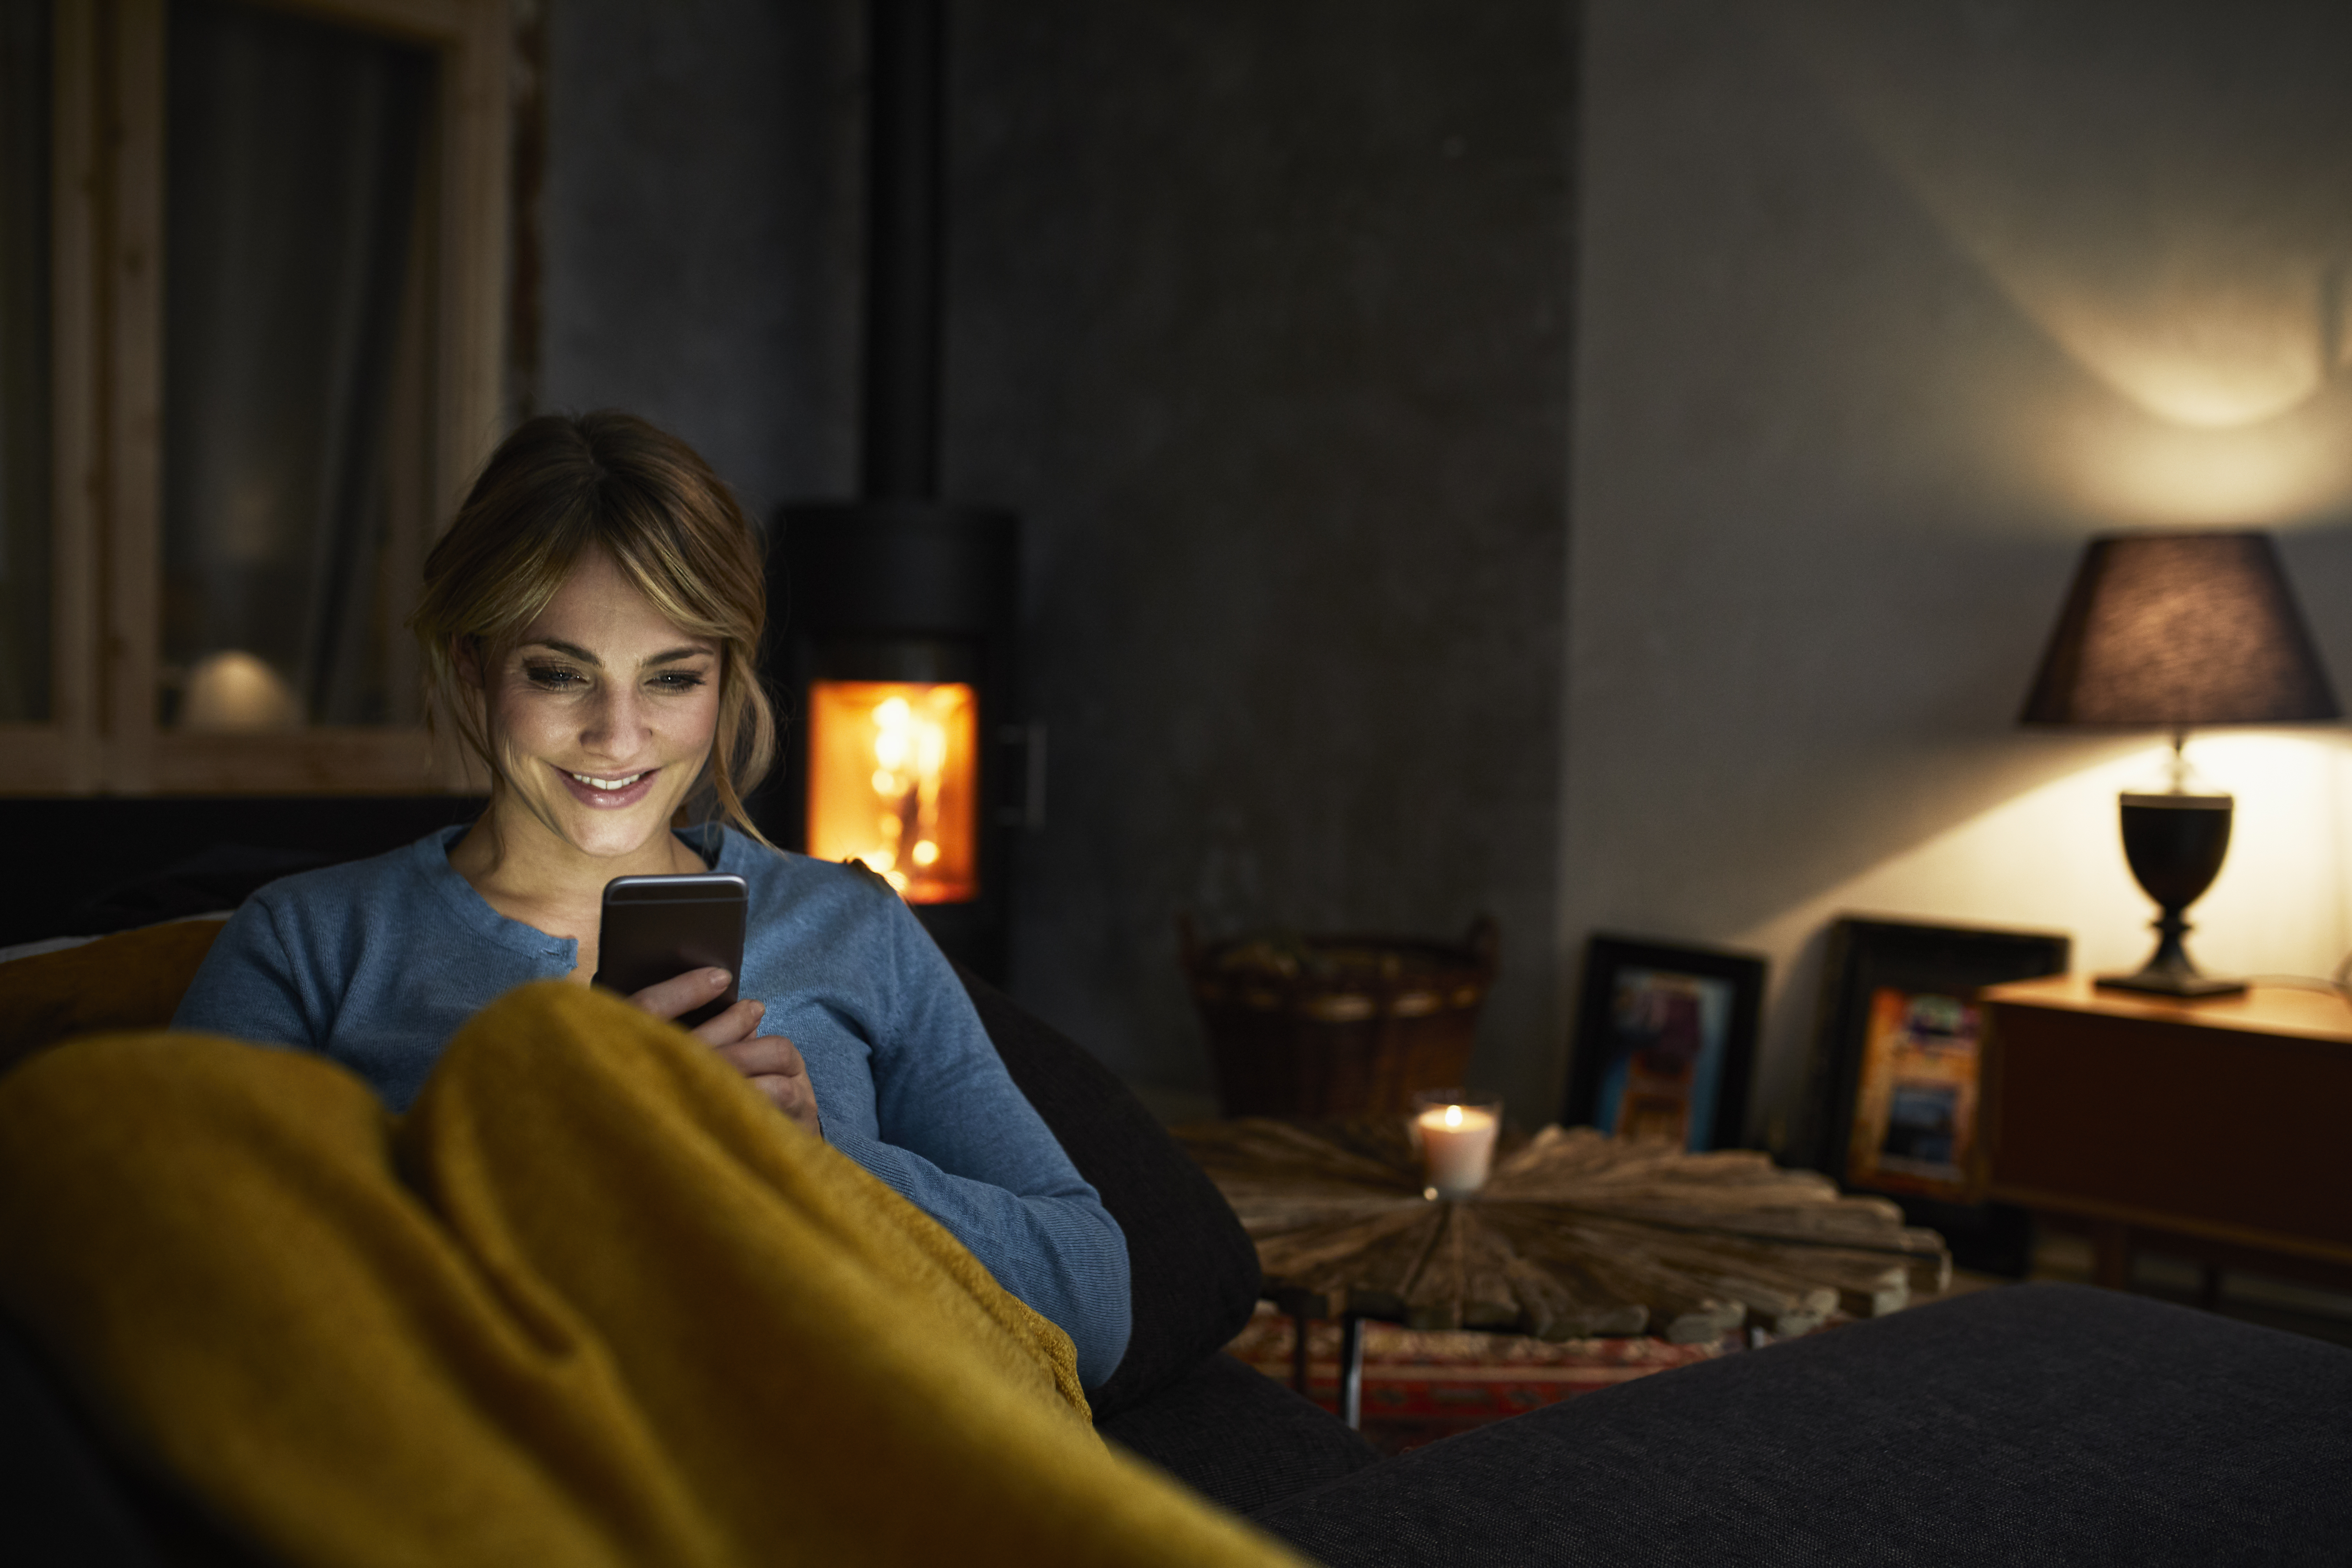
x=1611, y=465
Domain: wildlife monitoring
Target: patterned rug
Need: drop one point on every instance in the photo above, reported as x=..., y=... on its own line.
x=1420, y=1386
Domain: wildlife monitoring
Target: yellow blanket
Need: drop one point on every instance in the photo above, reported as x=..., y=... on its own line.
x=591, y=1300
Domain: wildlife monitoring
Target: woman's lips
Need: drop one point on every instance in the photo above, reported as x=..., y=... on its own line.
x=636, y=788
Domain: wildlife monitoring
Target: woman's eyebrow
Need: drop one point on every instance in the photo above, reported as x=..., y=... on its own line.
x=585, y=657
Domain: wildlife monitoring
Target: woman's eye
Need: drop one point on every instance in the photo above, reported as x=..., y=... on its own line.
x=677, y=680
x=552, y=677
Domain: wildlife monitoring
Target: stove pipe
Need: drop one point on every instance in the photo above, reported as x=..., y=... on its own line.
x=903, y=149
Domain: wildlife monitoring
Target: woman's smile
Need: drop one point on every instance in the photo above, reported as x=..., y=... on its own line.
x=610, y=793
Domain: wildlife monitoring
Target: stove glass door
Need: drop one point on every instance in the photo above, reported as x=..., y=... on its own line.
x=893, y=770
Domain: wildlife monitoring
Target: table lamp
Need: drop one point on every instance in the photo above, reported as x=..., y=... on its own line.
x=2171, y=630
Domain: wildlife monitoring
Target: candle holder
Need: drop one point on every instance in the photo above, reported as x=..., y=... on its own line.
x=1455, y=1130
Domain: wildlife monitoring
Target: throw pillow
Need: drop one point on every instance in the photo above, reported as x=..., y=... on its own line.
x=130, y=980
x=1193, y=1270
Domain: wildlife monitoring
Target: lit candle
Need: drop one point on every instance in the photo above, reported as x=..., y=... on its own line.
x=1457, y=1143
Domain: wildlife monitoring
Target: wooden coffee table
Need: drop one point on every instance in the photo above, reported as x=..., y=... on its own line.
x=1575, y=1235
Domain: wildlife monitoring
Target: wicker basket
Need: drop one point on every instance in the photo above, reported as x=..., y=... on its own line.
x=1337, y=1026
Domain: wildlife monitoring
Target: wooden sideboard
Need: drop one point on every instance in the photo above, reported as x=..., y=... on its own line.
x=2220, y=1129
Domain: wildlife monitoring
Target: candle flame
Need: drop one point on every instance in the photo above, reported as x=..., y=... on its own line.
x=1454, y=1116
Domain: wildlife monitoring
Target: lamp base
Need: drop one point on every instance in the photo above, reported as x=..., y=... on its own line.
x=2175, y=844
x=2168, y=972
x=2157, y=981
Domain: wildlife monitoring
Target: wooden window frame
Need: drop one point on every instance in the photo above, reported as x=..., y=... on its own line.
x=106, y=507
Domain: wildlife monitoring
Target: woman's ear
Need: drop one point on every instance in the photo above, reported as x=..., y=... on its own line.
x=466, y=656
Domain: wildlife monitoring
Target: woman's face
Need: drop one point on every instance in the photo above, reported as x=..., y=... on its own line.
x=602, y=712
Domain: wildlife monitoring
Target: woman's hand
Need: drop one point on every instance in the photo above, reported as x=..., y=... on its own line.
x=772, y=1062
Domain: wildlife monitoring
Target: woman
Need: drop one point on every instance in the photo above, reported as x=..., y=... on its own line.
x=590, y=624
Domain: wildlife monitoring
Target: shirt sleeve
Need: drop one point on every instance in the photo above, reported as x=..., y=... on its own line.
x=961, y=1142
x=247, y=988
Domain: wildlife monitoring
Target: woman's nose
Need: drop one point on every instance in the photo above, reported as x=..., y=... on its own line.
x=615, y=720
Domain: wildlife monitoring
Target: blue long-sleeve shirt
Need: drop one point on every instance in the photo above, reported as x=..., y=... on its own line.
x=377, y=962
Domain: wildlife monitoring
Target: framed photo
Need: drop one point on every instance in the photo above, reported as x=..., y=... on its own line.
x=1666, y=1037
x=1894, y=1091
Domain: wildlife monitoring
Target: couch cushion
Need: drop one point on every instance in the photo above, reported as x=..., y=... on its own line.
x=1191, y=1269
x=131, y=981
x=2027, y=1423
x=1238, y=1437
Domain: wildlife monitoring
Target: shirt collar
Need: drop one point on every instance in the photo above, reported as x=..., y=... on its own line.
x=473, y=911
x=722, y=850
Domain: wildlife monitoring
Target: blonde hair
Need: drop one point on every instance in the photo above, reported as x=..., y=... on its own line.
x=560, y=485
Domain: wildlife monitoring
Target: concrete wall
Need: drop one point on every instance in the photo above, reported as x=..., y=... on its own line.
x=1883, y=310
x=1260, y=320
x=1259, y=317
x=699, y=224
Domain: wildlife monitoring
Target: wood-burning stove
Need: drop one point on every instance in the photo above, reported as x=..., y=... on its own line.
x=894, y=615
x=896, y=662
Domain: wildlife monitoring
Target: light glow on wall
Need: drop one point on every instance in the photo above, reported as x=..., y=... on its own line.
x=2226, y=346
x=2184, y=244
x=2117, y=462
x=2053, y=859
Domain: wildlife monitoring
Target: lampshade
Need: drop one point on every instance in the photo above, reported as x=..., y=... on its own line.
x=2179, y=629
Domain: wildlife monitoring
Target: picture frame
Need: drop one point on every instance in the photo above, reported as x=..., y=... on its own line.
x=1665, y=1042
x=1894, y=1095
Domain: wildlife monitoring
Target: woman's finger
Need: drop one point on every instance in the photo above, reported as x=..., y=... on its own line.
x=791, y=1095
x=739, y=1022
x=773, y=1065
x=683, y=992
x=765, y=1055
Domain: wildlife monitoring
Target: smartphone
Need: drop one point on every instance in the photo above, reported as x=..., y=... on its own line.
x=656, y=928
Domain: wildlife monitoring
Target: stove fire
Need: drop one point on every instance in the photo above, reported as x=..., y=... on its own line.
x=893, y=781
